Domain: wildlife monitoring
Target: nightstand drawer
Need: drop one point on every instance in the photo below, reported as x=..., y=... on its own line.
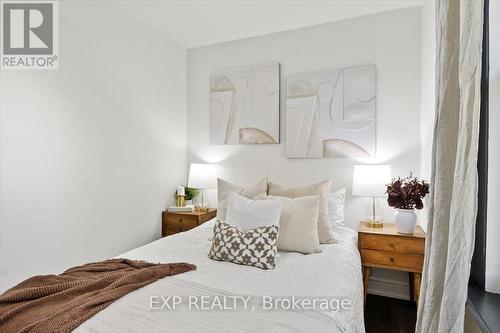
x=174, y=224
x=207, y=216
x=392, y=243
x=392, y=260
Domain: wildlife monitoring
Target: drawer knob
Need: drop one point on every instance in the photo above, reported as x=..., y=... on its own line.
x=392, y=259
x=180, y=220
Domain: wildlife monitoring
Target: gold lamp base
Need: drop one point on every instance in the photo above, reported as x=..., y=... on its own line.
x=374, y=221
x=374, y=224
x=202, y=209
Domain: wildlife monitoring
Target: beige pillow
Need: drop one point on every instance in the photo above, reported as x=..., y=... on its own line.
x=298, y=226
x=224, y=188
x=322, y=189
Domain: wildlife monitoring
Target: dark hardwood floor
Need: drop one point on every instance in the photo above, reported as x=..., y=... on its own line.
x=389, y=315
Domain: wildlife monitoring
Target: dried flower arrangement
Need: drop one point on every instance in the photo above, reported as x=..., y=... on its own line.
x=407, y=193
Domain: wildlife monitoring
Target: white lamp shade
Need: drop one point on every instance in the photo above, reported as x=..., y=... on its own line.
x=202, y=175
x=370, y=180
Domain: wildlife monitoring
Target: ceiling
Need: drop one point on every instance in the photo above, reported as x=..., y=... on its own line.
x=194, y=23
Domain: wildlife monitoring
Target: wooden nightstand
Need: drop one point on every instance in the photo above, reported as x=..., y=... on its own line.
x=386, y=248
x=175, y=222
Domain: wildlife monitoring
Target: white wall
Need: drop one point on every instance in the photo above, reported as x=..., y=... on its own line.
x=493, y=227
x=390, y=40
x=90, y=153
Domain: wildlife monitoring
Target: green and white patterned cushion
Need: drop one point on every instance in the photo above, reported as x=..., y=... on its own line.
x=256, y=247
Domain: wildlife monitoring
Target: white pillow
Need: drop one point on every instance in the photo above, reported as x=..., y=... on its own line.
x=298, y=223
x=336, y=203
x=224, y=188
x=246, y=214
x=322, y=189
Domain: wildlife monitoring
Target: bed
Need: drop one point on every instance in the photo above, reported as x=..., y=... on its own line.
x=335, y=273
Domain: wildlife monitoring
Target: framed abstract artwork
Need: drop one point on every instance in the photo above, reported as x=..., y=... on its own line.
x=244, y=105
x=331, y=113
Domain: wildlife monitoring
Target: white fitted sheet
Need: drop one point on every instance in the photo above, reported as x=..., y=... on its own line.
x=335, y=272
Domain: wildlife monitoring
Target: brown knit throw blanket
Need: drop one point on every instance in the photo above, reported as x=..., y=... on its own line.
x=60, y=303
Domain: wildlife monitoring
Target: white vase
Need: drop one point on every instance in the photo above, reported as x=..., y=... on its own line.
x=405, y=220
x=189, y=202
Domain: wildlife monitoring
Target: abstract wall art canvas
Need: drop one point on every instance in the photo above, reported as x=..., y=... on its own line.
x=331, y=113
x=244, y=105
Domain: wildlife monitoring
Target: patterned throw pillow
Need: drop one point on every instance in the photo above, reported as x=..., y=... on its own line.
x=256, y=247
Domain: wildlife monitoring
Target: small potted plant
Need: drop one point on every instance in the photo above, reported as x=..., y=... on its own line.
x=191, y=193
x=405, y=195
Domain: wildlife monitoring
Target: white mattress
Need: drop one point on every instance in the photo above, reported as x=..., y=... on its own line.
x=333, y=273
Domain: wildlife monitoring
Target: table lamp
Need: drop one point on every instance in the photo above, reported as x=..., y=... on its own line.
x=202, y=176
x=370, y=180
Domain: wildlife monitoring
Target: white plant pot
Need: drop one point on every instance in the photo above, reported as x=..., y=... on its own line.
x=405, y=220
x=189, y=202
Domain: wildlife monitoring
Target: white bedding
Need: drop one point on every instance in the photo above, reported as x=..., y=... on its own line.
x=335, y=272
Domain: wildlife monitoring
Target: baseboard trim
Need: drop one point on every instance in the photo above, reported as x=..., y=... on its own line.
x=389, y=288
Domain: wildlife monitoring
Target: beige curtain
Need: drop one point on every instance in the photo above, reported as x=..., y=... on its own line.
x=453, y=200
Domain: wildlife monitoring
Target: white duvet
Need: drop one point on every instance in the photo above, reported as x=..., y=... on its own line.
x=333, y=275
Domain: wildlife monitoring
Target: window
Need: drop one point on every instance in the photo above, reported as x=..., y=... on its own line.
x=477, y=274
